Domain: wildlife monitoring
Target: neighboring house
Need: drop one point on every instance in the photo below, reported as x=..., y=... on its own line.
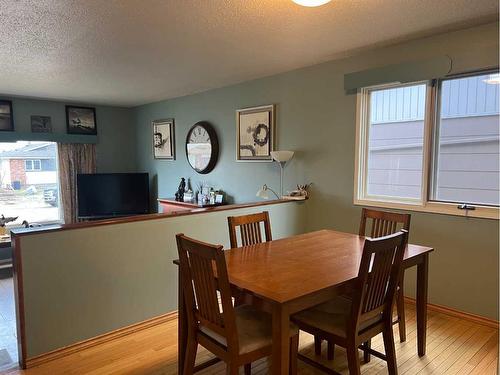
x=32, y=165
x=468, y=165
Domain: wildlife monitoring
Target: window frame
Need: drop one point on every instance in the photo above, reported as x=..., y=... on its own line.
x=60, y=211
x=32, y=162
x=429, y=157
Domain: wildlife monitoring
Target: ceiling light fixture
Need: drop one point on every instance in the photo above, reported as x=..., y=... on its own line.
x=311, y=3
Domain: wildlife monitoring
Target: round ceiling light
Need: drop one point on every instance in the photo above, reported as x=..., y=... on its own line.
x=311, y=3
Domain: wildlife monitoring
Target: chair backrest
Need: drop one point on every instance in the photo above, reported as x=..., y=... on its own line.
x=383, y=223
x=204, y=273
x=378, y=277
x=250, y=231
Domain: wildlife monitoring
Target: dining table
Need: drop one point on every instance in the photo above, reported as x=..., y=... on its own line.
x=296, y=273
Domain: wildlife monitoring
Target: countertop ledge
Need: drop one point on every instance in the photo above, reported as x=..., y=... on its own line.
x=18, y=232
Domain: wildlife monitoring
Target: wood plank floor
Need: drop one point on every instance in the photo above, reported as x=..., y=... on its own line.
x=454, y=346
x=8, y=340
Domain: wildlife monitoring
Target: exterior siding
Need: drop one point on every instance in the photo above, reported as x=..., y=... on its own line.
x=41, y=178
x=469, y=96
x=467, y=168
x=464, y=97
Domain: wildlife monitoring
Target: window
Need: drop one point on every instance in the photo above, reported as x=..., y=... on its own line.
x=29, y=185
x=395, y=142
x=467, y=142
x=33, y=165
x=430, y=146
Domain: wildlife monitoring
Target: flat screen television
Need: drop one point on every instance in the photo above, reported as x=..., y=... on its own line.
x=105, y=195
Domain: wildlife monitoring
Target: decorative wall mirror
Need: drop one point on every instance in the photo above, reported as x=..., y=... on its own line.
x=202, y=147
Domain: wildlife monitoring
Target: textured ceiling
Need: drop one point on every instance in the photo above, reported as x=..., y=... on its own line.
x=129, y=52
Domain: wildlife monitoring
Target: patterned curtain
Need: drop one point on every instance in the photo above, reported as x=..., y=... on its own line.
x=74, y=158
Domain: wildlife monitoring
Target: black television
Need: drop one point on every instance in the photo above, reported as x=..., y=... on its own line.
x=106, y=195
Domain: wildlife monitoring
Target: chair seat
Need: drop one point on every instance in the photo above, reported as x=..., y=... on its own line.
x=254, y=329
x=331, y=317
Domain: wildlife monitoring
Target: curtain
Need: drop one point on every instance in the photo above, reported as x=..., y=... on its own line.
x=74, y=158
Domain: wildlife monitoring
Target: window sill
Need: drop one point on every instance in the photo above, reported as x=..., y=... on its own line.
x=434, y=207
x=42, y=224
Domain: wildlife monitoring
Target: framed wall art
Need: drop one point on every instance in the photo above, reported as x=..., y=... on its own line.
x=41, y=124
x=81, y=120
x=163, y=139
x=6, y=118
x=255, y=133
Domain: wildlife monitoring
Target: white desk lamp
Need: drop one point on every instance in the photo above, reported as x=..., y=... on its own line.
x=264, y=192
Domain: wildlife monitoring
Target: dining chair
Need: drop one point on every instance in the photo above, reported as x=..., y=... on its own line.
x=382, y=224
x=350, y=321
x=378, y=224
x=237, y=335
x=249, y=228
x=250, y=234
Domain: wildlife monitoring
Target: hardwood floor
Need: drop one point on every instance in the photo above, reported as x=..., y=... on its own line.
x=8, y=340
x=454, y=346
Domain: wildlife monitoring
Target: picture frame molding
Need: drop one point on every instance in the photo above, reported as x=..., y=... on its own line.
x=171, y=122
x=272, y=126
x=9, y=103
x=68, y=127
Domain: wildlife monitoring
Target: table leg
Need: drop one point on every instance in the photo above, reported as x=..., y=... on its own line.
x=281, y=339
x=422, y=282
x=181, y=326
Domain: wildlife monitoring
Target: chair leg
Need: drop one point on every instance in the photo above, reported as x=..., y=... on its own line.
x=248, y=369
x=331, y=351
x=190, y=356
x=390, y=350
x=317, y=345
x=400, y=300
x=353, y=359
x=366, y=355
x=294, y=349
x=232, y=369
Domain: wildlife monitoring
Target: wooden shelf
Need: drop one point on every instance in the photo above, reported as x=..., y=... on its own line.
x=170, y=205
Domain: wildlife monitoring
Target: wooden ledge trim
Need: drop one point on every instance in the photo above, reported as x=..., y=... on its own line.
x=18, y=232
x=101, y=339
x=492, y=323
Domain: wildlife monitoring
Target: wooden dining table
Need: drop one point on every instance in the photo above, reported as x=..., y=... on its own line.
x=299, y=272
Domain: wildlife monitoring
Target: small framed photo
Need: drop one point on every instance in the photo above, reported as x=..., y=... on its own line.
x=81, y=120
x=255, y=133
x=163, y=139
x=41, y=124
x=6, y=116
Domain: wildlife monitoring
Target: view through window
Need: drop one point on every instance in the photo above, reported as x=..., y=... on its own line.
x=29, y=182
x=396, y=137
x=467, y=155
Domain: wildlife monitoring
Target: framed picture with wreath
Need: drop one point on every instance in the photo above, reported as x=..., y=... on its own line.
x=255, y=133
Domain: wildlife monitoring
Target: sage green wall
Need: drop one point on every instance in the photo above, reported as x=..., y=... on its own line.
x=317, y=119
x=85, y=282
x=115, y=127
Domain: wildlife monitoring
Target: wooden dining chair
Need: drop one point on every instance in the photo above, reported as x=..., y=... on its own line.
x=250, y=229
x=384, y=223
x=351, y=321
x=237, y=335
